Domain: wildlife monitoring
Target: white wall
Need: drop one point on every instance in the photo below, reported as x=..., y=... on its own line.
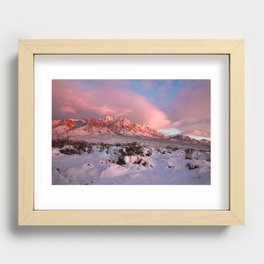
x=132, y=19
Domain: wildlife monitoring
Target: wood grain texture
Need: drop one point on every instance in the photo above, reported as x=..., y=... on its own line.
x=26, y=132
x=131, y=218
x=237, y=132
x=29, y=216
x=131, y=46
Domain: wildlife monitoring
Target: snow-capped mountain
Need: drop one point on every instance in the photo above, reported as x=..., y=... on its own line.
x=189, y=139
x=106, y=126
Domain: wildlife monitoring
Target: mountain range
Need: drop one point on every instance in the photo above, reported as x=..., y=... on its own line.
x=111, y=126
x=107, y=125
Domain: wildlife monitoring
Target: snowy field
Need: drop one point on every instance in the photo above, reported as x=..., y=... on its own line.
x=131, y=161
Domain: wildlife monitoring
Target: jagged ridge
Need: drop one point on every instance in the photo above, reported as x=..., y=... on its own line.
x=107, y=125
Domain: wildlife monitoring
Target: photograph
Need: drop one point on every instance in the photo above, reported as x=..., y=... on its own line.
x=127, y=132
x=131, y=132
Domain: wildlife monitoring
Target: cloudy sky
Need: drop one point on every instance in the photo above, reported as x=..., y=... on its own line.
x=170, y=106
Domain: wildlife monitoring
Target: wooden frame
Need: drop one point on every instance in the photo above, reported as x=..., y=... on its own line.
x=29, y=216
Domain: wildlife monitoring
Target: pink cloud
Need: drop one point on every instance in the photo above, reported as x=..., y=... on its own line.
x=191, y=110
x=198, y=129
x=67, y=109
x=105, y=99
x=177, y=123
x=198, y=132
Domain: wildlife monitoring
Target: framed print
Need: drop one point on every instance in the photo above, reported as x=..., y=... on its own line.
x=131, y=132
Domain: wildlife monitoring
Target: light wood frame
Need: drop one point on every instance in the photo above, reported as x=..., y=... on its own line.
x=29, y=216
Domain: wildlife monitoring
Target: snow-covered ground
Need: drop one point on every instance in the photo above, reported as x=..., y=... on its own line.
x=143, y=162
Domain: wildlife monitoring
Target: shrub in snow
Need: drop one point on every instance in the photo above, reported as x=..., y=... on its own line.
x=131, y=150
x=105, y=161
x=121, y=160
x=162, y=151
x=69, y=150
x=188, y=153
x=59, y=143
x=191, y=166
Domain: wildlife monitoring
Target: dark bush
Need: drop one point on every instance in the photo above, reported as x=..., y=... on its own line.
x=131, y=149
x=191, y=166
x=81, y=146
x=78, y=147
x=59, y=143
x=149, y=153
x=70, y=151
x=188, y=153
x=121, y=161
x=104, y=146
x=161, y=151
x=144, y=163
x=138, y=161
